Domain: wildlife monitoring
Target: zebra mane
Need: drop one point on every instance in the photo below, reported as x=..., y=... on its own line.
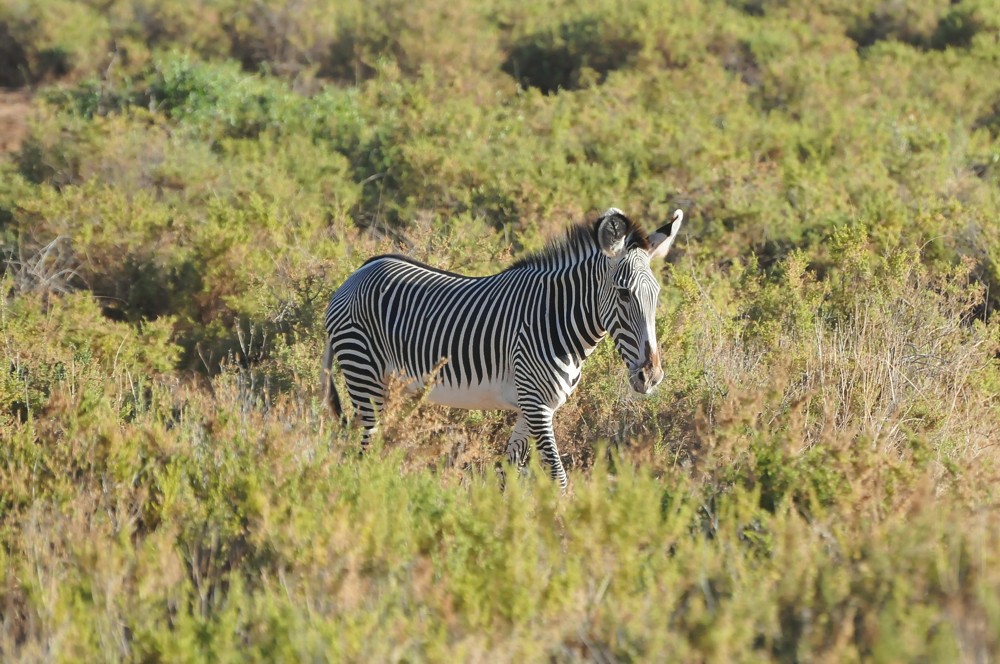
x=580, y=242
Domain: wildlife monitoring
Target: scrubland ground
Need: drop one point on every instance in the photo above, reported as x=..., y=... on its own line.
x=817, y=478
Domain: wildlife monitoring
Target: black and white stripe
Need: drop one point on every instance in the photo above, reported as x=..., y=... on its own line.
x=513, y=340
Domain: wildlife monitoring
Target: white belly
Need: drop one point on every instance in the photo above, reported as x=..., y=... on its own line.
x=499, y=395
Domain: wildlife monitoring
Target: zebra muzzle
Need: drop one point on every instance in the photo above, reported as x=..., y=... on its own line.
x=645, y=379
x=649, y=374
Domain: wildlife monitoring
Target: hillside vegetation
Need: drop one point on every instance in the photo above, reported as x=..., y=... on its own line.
x=817, y=478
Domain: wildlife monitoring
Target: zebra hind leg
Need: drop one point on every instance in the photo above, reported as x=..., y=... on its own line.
x=517, y=446
x=363, y=377
x=368, y=396
x=517, y=450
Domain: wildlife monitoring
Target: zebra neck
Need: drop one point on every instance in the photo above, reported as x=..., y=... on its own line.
x=574, y=321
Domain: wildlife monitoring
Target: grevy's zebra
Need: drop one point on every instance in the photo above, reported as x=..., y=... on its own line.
x=514, y=340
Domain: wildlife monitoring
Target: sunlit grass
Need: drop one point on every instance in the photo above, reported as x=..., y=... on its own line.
x=815, y=479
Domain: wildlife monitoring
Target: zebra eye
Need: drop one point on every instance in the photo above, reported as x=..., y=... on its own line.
x=623, y=294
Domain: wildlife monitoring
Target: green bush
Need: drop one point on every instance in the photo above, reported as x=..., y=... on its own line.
x=814, y=479
x=65, y=343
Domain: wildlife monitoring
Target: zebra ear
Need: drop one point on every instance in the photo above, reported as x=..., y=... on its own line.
x=660, y=241
x=611, y=232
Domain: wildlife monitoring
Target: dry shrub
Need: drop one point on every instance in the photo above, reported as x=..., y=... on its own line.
x=882, y=401
x=452, y=441
x=815, y=479
x=906, y=367
x=49, y=270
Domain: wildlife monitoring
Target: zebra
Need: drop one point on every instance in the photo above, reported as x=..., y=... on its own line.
x=515, y=340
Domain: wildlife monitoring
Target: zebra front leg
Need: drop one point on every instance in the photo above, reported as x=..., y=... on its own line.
x=539, y=421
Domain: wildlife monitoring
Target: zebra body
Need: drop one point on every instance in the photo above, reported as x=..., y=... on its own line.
x=514, y=340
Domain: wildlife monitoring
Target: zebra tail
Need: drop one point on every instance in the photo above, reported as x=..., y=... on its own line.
x=329, y=387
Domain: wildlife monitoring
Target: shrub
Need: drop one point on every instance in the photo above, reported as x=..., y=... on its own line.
x=814, y=479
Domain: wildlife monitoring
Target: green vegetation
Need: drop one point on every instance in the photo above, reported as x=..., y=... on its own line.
x=816, y=479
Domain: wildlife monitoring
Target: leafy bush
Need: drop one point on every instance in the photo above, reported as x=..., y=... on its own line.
x=56, y=344
x=814, y=479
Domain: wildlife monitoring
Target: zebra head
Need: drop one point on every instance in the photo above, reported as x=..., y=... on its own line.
x=629, y=292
